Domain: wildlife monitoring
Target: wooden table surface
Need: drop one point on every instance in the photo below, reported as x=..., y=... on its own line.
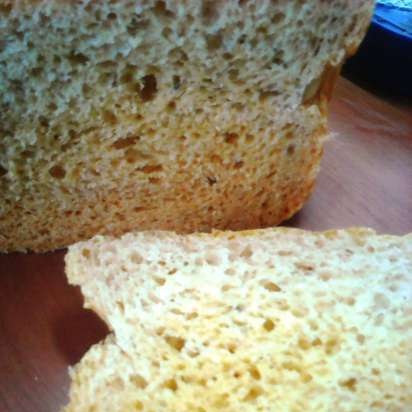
x=366, y=179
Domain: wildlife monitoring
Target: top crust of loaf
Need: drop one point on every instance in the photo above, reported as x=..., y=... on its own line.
x=276, y=319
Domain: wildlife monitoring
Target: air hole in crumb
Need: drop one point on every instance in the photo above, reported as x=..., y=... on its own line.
x=57, y=172
x=249, y=138
x=265, y=95
x=86, y=90
x=213, y=41
x=171, y=384
x=262, y=29
x=278, y=60
x=109, y=117
x=52, y=106
x=277, y=18
x=213, y=260
x=214, y=158
x=242, y=39
x=5, y=9
x=253, y=393
x=350, y=301
x=167, y=32
x=211, y=180
x=325, y=276
x=230, y=272
x=313, y=324
x=117, y=384
x=134, y=25
x=349, y=384
x=149, y=88
x=306, y=267
x=160, y=10
x=247, y=252
x=221, y=401
x=316, y=342
x=176, y=82
x=331, y=346
x=290, y=150
x=231, y=138
x=43, y=121
x=126, y=142
x=233, y=75
x=209, y=10
x=172, y=271
x=86, y=253
x=154, y=180
x=254, y=372
x=151, y=168
x=238, y=165
x=303, y=343
x=232, y=347
x=171, y=106
x=269, y=325
x=159, y=281
x=136, y=258
x=115, y=162
x=127, y=75
x=3, y=171
x=175, y=342
x=160, y=331
x=138, y=381
x=138, y=406
x=132, y=155
x=77, y=58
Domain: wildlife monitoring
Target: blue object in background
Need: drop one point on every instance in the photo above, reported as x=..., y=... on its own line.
x=384, y=60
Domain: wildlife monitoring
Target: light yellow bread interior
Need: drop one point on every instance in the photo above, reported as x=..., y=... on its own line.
x=269, y=320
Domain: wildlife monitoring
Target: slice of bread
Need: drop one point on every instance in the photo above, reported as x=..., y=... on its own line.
x=119, y=115
x=267, y=320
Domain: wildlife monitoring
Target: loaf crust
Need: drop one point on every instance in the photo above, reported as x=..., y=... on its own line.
x=163, y=114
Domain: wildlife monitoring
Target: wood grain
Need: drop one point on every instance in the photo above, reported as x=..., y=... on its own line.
x=366, y=179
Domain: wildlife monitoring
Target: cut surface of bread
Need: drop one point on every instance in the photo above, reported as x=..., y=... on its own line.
x=267, y=320
x=113, y=112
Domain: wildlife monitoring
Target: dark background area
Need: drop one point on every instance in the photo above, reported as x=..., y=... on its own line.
x=383, y=63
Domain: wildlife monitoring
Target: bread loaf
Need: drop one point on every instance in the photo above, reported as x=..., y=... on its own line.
x=183, y=115
x=269, y=320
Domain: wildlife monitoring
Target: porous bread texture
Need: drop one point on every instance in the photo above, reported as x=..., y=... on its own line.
x=267, y=320
x=113, y=111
